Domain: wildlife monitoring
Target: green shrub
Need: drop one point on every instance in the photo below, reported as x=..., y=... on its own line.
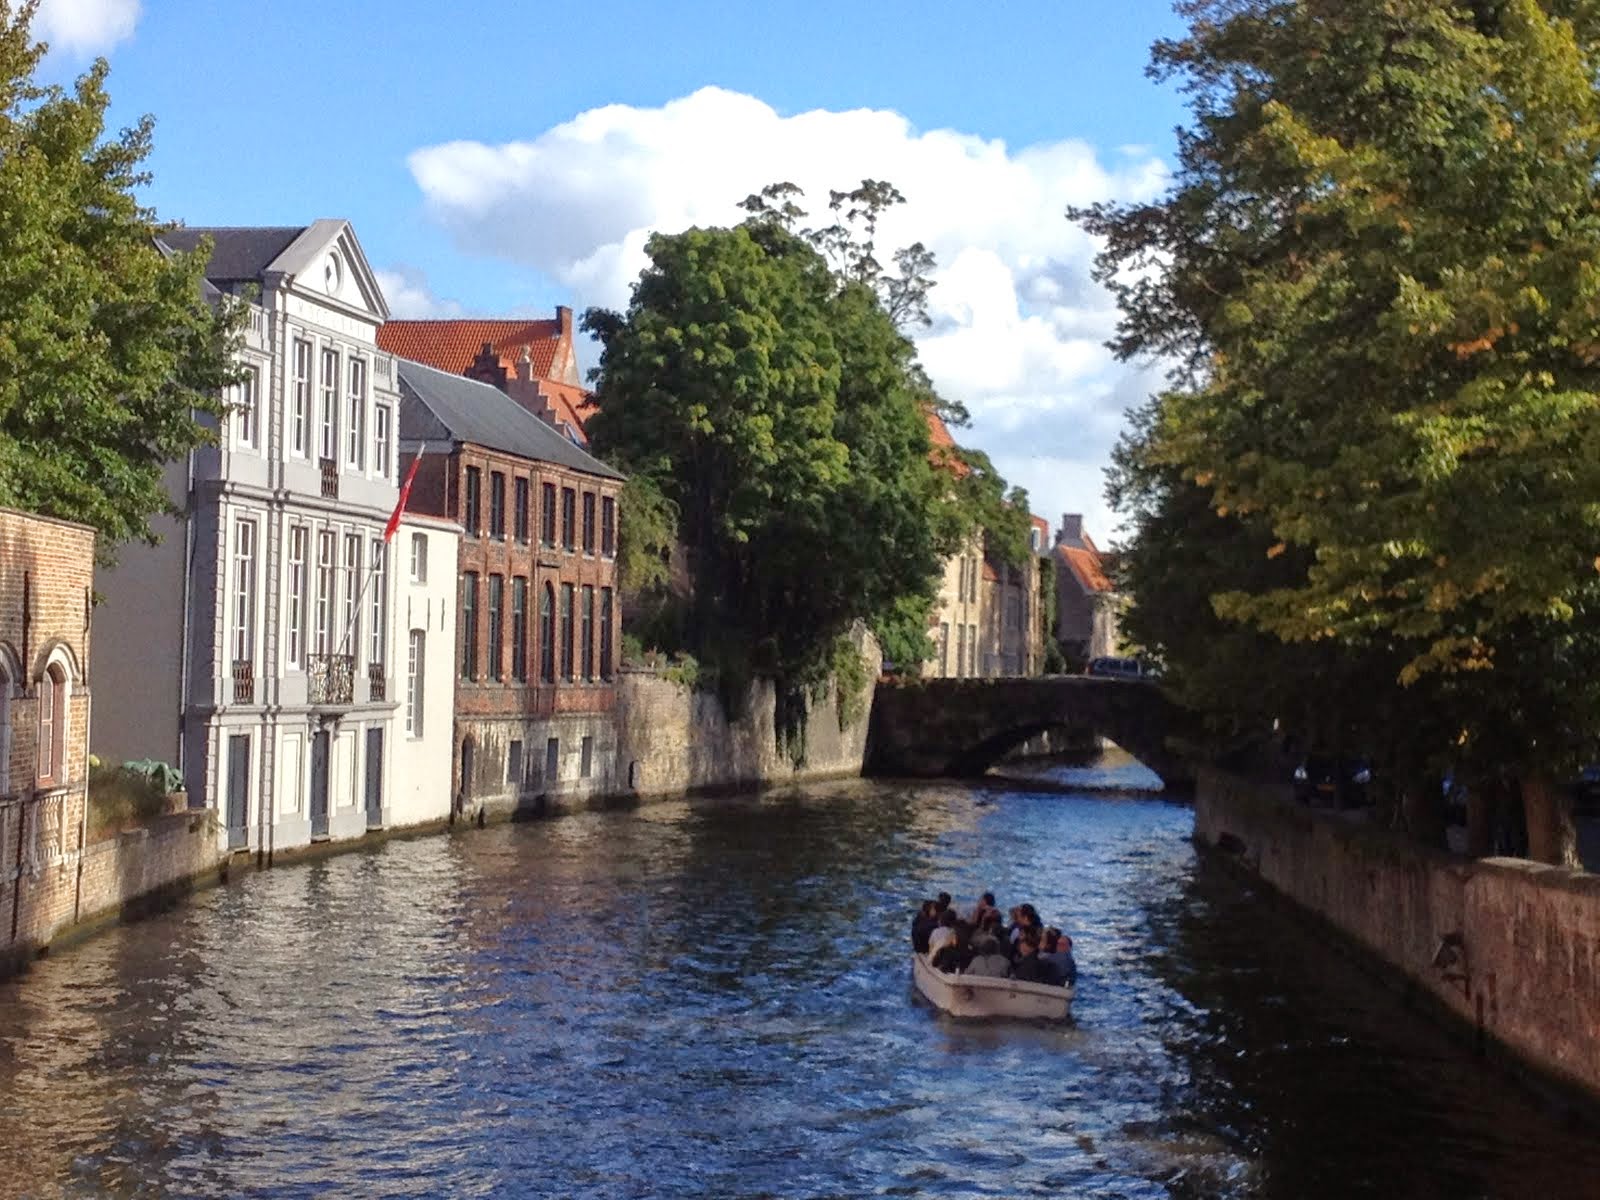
x=684, y=669
x=120, y=798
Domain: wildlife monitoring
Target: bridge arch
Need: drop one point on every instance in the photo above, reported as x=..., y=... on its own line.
x=962, y=727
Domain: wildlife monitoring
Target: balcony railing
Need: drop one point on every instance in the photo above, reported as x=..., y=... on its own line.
x=244, y=681
x=377, y=682
x=332, y=678
x=330, y=478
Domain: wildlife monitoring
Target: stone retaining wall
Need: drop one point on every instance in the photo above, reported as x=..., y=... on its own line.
x=1510, y=947
x=118, y=876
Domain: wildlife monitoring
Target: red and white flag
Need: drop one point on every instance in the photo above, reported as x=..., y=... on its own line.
x=405, y=494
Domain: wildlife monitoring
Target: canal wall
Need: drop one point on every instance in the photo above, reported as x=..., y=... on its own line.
x=52, y=894
x=1510, y=948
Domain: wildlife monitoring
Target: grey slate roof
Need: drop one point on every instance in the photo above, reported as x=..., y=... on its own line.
x=437, y=406
x=236, y=253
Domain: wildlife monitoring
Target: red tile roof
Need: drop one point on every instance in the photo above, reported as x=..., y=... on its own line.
x=573, y=406
x=942, y=448
x=452, y=345
x=1043, y=527
x=1086, y=567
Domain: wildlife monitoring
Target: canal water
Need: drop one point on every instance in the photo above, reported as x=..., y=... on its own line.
x=712, y=999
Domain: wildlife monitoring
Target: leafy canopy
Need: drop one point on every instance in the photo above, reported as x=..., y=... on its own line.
x=761, y=383
x=110, y=362
x=1376, y=273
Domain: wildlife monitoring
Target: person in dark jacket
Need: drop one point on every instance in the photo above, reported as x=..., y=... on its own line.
x=1056, y=953
x=923, y=924
x=1026, y=967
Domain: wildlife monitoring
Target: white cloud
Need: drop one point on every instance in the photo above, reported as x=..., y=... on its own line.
x=84, y=27
x=408, y=294
x=1018, y=325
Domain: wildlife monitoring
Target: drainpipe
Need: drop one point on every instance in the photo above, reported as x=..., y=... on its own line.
x=184, y=631
x=88, y=725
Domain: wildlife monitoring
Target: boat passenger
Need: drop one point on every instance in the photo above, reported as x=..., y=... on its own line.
x=987, y=958
x=943, y=901
x=923, y=924
x=950, y=956
x=1023, y=917
x=982, y=908
x=1056, y=953
x=1027, y=968
x=993, y=927
x=944, y=933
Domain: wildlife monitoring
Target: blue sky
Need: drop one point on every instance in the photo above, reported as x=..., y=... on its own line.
x=451, y=136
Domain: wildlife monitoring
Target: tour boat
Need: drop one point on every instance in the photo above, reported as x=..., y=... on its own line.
x=986, y=996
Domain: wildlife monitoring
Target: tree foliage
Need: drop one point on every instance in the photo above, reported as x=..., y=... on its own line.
x=1378, y=461
x=760, y=380
x=110, y=362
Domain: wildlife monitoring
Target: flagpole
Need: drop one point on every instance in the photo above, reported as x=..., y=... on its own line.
x=388, y=534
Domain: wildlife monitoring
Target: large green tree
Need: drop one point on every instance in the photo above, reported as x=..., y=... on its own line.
x=1375, y=273
x=110, y=362
x=769, y=395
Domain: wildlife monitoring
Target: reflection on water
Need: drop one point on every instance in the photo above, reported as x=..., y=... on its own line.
x=713, y=999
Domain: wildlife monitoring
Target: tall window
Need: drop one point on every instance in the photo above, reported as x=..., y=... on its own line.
x=497, y=505
x=295, y=633
x=52, y=725
x=972, y=649
x=327, y=580
x=380, y=573
x=247, y=416
x=414, y=662
x=566, y=631
x=300, y=401
x=244, y=591
x=521, y=518
x=608, y=527
x=588, y=522
x=328, y=406
x=473, y=514
x=961, y=647
x=469, y=625
x=606, y=620
x=569, y=513
x=547, y=513
x=519, y=629
x=419, y=558
x=547, y=634
x=382, y=439
x=355, y=454
x=586, y=614
x=497, y=587
x=350, y=632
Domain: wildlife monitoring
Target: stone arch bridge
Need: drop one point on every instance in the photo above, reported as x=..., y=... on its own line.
x=961, y=727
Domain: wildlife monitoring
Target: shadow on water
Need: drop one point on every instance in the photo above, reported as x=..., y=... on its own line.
x=712, y=999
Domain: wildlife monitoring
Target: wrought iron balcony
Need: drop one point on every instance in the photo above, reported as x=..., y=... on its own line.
x=330, y=478
x=244, y=681
x=377, y=682
x=332, y=678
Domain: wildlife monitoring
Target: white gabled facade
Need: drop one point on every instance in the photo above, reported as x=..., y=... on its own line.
x=256, y=647
x=426, y=552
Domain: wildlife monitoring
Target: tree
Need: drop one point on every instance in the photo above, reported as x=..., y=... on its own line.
x=1374, y=272
x=110, y=361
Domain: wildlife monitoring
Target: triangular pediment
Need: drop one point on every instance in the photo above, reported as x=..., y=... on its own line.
x=326, y=263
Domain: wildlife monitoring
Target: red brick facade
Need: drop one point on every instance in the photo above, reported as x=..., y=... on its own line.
x=46, y=582
x=508, y=552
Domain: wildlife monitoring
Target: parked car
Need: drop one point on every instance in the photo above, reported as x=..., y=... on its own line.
x=1332, y=781
x=1107, y=667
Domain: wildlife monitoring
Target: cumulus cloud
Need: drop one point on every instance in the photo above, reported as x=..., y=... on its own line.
x=407, y=291
x=1018, y=325
x=83, y=27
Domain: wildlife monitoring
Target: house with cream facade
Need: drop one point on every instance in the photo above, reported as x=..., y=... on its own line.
x=425, y=553
x=254, y=647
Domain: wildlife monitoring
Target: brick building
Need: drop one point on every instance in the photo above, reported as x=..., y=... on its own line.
x=46, y=588
x=1086, y=603
x=538, y=629
x=532, y=361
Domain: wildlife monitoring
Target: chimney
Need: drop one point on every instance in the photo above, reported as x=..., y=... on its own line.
x=1071, y=531
x=486, y=368
x=564, y=321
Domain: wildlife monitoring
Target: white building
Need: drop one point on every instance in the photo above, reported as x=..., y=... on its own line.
x=426, y=551
x=254, y=647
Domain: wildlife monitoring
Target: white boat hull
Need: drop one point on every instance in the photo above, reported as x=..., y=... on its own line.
x=984, y=996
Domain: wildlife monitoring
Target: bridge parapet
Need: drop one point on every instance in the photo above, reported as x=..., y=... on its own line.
x=961, y=727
